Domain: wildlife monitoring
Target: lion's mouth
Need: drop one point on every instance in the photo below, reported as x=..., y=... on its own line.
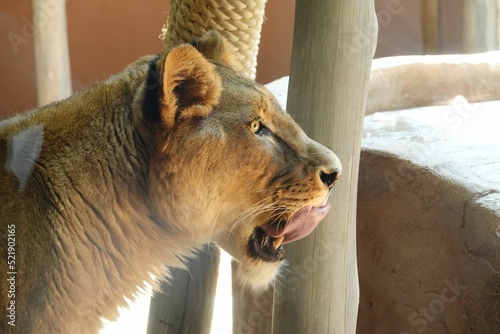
x=266, y=241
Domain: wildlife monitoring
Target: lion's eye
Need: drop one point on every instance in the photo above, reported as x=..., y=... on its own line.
x=259, y=129
x=256, y=126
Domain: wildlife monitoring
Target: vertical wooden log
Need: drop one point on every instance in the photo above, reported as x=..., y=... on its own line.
x=430, y=26
x=333, y=45
x=53, y=75
x=481, y=26
x=185, y=304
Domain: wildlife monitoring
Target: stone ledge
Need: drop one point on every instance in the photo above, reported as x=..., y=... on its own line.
x=428, y=244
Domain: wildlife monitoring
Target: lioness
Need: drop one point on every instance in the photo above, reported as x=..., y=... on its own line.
x=104, y=190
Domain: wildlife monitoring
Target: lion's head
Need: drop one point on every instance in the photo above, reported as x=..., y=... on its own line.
x=230, y=166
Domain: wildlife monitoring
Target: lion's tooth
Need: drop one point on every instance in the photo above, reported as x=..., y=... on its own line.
x=278, y=241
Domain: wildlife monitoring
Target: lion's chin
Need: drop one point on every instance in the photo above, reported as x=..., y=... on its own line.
x=256, y=274
x=253, y=273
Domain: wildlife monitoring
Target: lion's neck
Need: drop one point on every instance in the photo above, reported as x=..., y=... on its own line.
x=112, y=244
x=112, y=239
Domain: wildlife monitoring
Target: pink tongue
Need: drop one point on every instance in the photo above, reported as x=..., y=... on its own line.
x=300, y=225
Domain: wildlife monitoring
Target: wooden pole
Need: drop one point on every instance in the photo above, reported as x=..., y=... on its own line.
x=430, y=26
x=481, y=23
x=333, y=45
x=185, y=304
x=53, y=75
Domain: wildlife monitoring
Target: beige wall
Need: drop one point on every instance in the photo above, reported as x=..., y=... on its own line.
x=106, y=35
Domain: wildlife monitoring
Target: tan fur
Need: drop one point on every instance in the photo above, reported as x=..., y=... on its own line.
x=103, y=197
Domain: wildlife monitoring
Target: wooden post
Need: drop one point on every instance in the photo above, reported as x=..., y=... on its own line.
x=430, y=26
x=481, y=25
x=185, y=304
x=53, y=75
x=333, y=45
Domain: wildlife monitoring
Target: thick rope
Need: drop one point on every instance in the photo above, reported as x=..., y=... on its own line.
x=240, y=21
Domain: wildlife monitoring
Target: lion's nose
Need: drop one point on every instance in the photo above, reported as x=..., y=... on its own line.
x=329, y=176
x=326, y=164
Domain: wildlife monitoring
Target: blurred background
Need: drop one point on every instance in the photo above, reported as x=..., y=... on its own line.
x=106, y=35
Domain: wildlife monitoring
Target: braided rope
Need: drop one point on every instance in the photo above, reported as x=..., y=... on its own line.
x=240, y=21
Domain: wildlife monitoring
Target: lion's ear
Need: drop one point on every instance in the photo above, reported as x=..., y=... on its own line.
x=213, y=46
x=191, y=87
